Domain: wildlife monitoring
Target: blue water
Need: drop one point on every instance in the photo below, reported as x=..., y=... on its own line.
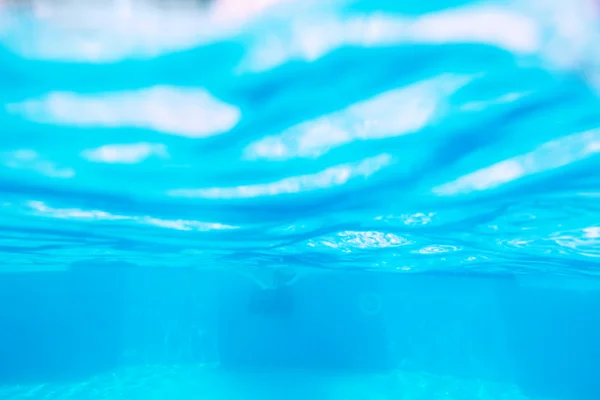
x=312, y=200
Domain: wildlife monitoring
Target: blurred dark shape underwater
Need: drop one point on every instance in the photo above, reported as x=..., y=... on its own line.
x=272, y=302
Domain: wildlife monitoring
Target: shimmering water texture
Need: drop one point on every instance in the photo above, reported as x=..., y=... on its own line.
x=396, y=136
x=281, y=138
x=183, y=383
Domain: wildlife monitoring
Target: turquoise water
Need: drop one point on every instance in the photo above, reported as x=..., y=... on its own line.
x=283, y=199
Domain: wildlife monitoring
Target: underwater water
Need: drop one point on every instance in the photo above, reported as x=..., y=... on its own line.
x=283, y=199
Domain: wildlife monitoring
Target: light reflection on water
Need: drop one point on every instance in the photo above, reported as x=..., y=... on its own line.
x=351, y=134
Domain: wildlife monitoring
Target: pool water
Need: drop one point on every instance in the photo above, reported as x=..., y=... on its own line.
x=299, y=199
x=189, y=382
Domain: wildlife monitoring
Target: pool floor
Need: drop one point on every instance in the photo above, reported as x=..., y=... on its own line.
x=160, y=382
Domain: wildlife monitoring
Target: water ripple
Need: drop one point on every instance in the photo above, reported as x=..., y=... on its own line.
x=302, y=135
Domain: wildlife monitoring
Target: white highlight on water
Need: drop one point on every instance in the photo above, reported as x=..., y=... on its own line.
x=188, y=112
x=330, y=177
x=30, y=160
x=393, y=113
x=125, y=153
x=42, y=209
x=549, y=156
